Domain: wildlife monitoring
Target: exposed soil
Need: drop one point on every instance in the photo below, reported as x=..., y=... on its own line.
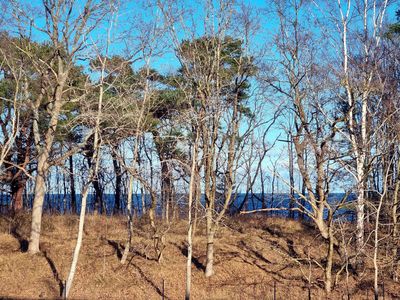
x=254, y=256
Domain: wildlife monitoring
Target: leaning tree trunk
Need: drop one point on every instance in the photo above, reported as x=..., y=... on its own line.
x=42, y=163
x=94, y=163
x=78, y=240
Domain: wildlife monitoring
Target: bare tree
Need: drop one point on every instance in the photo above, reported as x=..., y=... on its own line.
x=66, y=27
x=219, y=68
x=358, y=77
x=95, y=159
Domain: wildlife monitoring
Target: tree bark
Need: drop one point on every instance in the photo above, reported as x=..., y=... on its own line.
x=40, y=190
x=210, y=253
x=292, y=199
x=78, y=241
x=166, y=189
x=17, y=193
x=395, y=251
x=44, y=153
x=329, y=257
x=118, y=186
x=72, y=184
x=129, y=223
x=192, y=189
x=360, y=206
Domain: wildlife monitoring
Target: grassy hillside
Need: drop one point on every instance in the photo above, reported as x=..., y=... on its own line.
x=253, y=254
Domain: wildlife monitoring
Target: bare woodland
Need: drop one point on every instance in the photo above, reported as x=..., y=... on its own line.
x=170, y=115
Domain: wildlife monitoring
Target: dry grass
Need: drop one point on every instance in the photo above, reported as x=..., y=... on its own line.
x=252, y=255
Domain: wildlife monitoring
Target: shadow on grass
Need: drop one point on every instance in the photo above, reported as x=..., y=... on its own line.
x=148, y=280
x=195, y=260
x=116, y=247
x=119, y=249
x=55, y=272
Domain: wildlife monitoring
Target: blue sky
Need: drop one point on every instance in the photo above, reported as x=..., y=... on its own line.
x=132, y=16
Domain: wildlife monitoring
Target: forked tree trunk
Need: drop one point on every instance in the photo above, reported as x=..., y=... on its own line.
x=42, y=164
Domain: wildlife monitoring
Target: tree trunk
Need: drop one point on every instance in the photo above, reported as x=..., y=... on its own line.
x=376, y=246
x=17, y=193
x=98, y=192
x=72, y=184
x=143, y=200
x=210, y=253
x=44, y=152
x=395, y=251
x=166, y=188
x=158, y=237
x=329, y=262
x=210, y=237
x=192, y=188
x=78, y=241
x=197, y=201
x=360, y=207
x=263, y=196
x=98, y=197
x=118, y=186
x=189, y=255
x=273, y=188
x=40, y=190
x=291, y=179
x=23, y=145
x=130, y=223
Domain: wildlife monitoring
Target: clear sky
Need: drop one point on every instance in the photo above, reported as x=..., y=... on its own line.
x=135, y=22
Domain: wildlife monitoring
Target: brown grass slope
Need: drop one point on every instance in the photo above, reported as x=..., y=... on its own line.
x=253, y=254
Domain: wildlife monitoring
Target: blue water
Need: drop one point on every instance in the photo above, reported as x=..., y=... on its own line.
x=61, y=203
